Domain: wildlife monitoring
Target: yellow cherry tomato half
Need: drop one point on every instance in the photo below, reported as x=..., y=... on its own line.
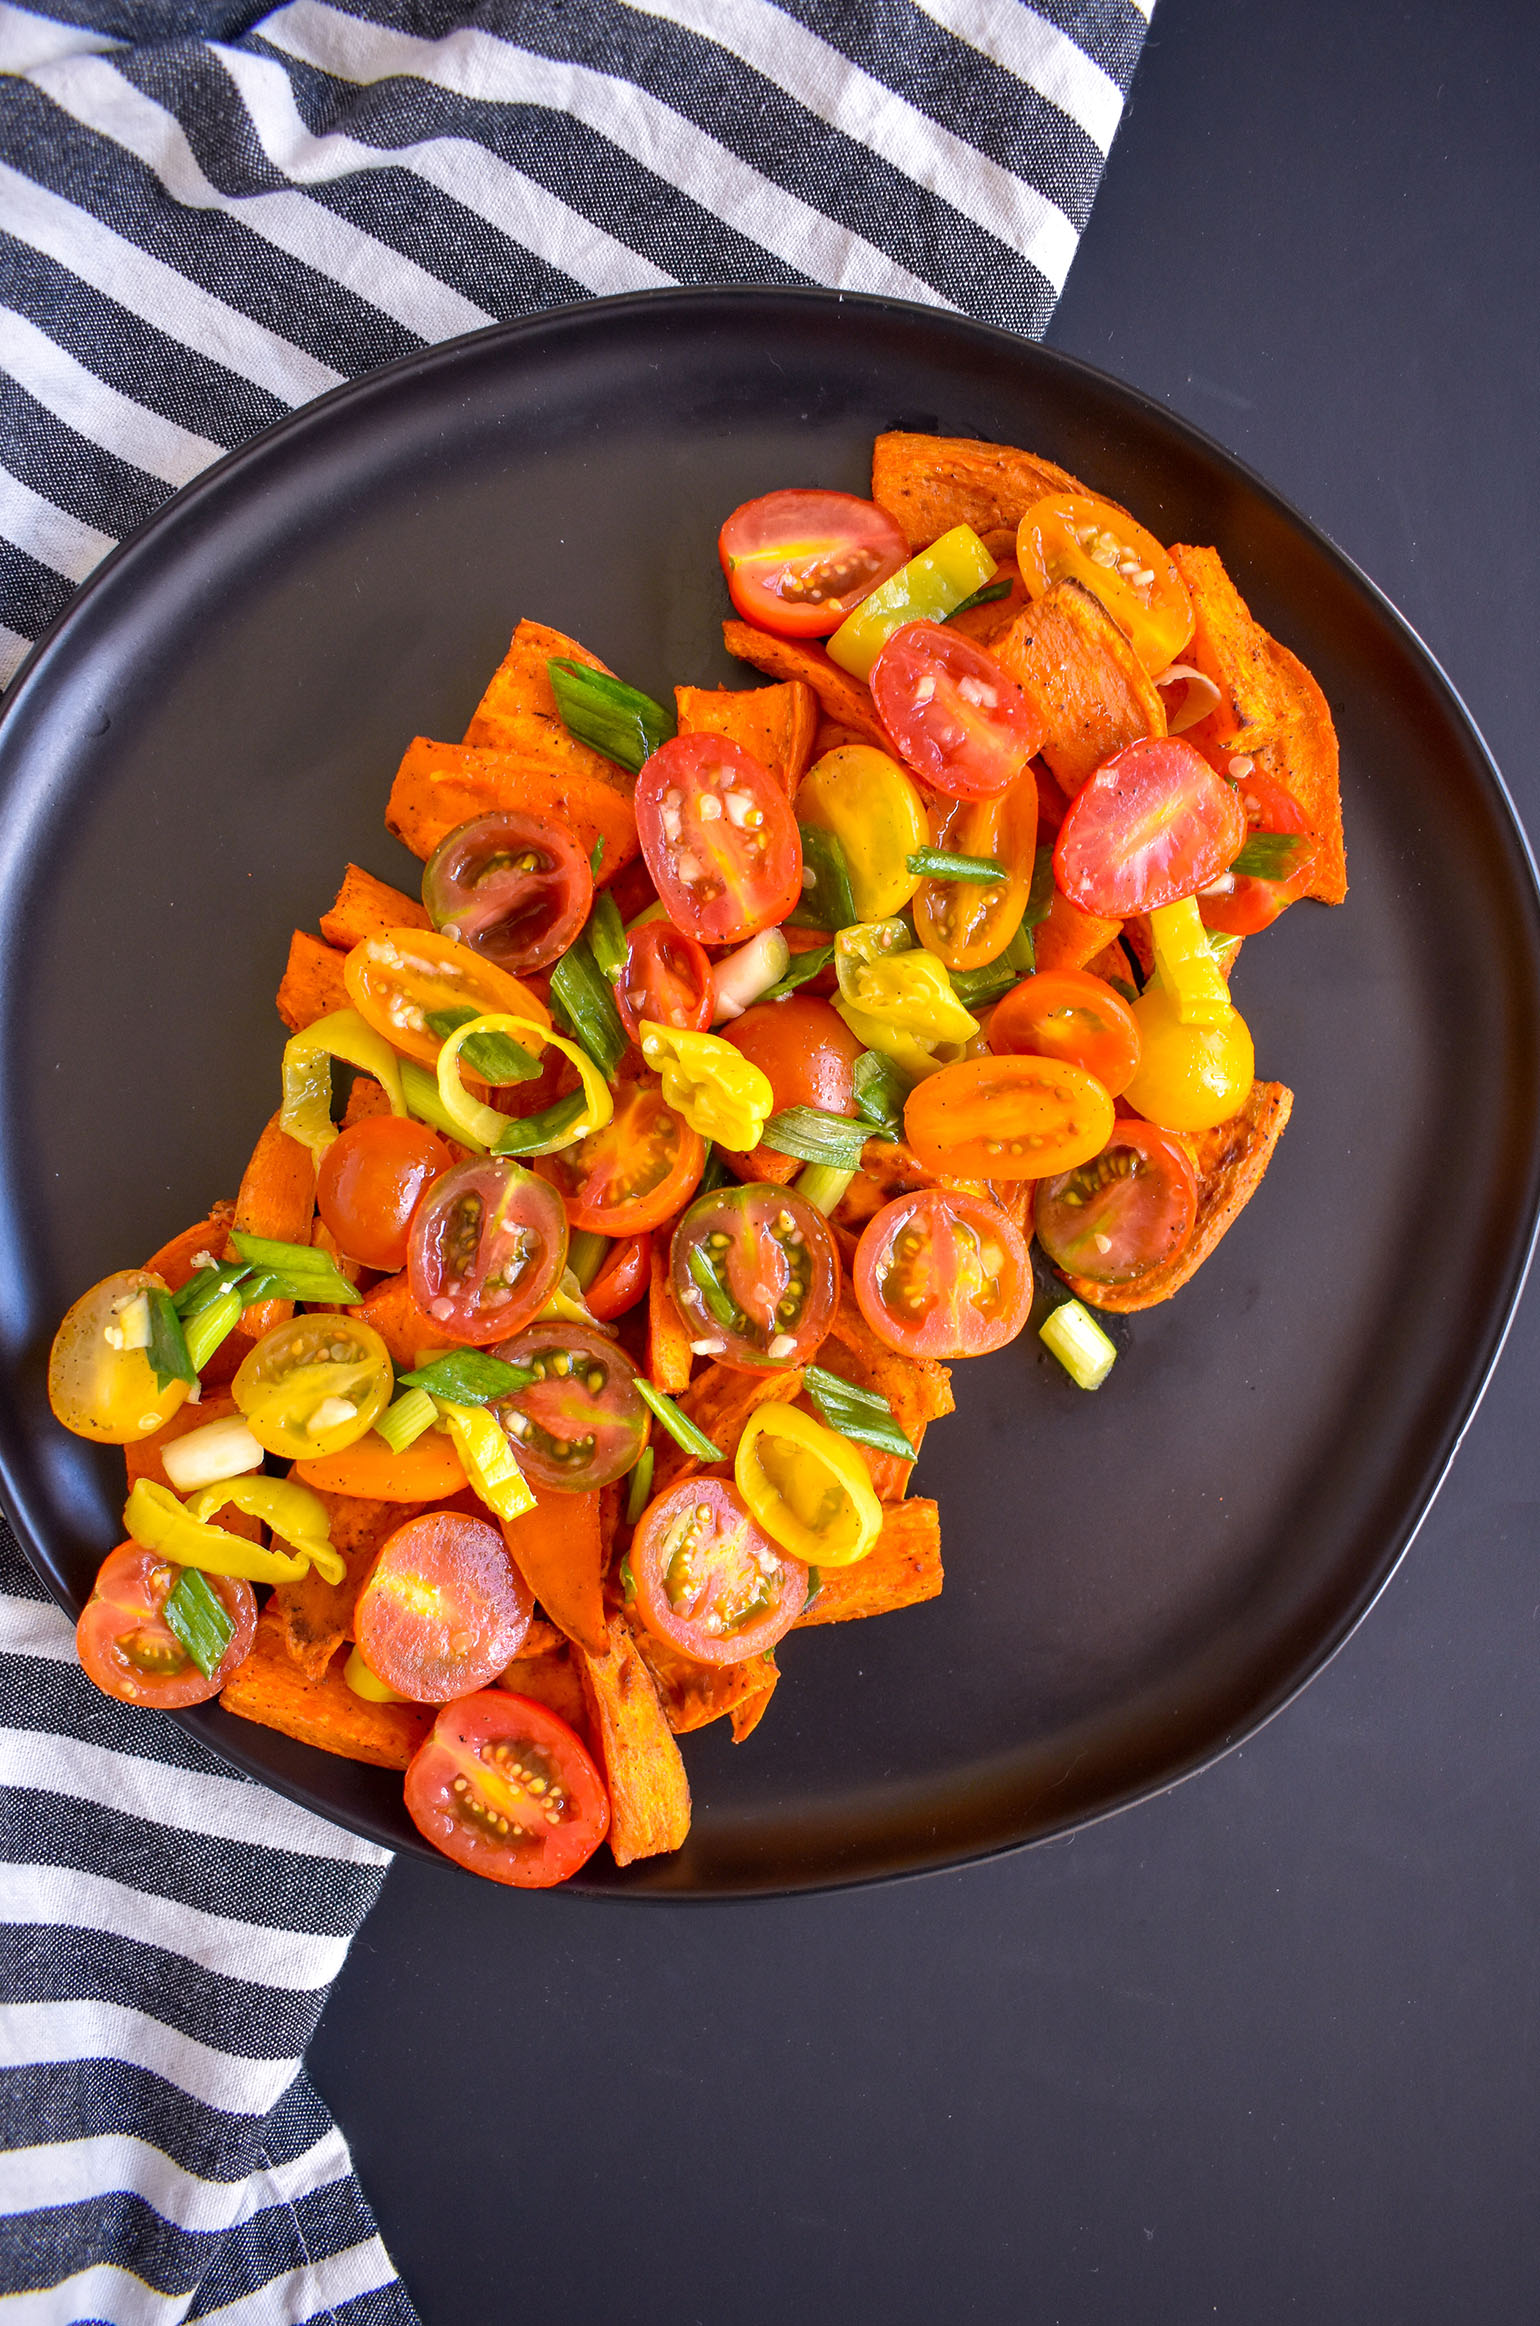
x=875, y=812
x=100, y=1383
x=402, y=979
x=1008, y=1118
x=1189, y=1077
x=1075, y=537
x=808, y=1487
x=314, y=1385
x=970, y=922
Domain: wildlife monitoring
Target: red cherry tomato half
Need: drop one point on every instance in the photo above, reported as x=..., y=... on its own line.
x=719, y=837
x=798, y=562
x=1153, y=824
x=1241, y=904
x=1068, y=1013
x=126, y=1645
x=514, y=886
x=487, y=1248
x=956, y=714
x=939, y=1273
x=581, y=1423
x=372, y=1178
x=505, y=1788
x=708, y=1579
x=443, y=1609
x=755, y=1275
x=622, y=1279
x=1126, y=1212
x=667, y=978
x=636, y=1172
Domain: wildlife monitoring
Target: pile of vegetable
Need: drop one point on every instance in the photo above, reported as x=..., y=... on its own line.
x=582, y=1310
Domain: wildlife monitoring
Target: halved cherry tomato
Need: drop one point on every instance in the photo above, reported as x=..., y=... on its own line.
x=719, y=837
x=874, y=809
x=1068, y=1013
x=1007, y=1118
x=708, y=1579
x=100, y=1382
x=581, y=1423
x=634, y=1173
x=126, y=1646
x=667, y=979
x=1239, y=905
x=1126, y=1212
x=487, y=1248
x=971, y=922
x=505, y=1788
x=372, y=1178
x=797, y=562
x=514, y=886
x=314, y=1385
x=956, y=714
x=443, y=1609
x=939, y=1273
x=1153, y=824
x=399, y=980
x=1075, y=537
x=622, y=1279
x=755, y=1275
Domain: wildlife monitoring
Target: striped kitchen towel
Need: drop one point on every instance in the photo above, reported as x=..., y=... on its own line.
x=209, y=215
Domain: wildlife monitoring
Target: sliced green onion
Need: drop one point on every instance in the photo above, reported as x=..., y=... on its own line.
x=804, y=967
x=1040, y=896
x=1079, y=1343
x=596, y=856
x=419, y=1087
x=977, y=988
x=678, y=1425
x=627, y=1579
x=716, y=1173
x=639, y=1487
x=206, y=1286
x=713, y=1291
x=814, y=1136
x=606, y=935
x=826, y=899
x=1272, y=855
x=984, y=597
x=212, y=1324
x=168, y=1355
x=814, y=1586
x=1021, y=952
x=822, y=1185
x=1223, y=947
x=194, y=1611
x=586, y=1000
x=302, y=1271
x=941, y=864
x=612, y=718
x=586, y=1255
x=497, y=1058
x=539, y=1134
x=405, y=1418
x=856, y=1413
x=468, y=1377
x=881, y=1089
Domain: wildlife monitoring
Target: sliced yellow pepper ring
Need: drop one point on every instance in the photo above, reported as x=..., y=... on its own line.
x=720, y=1093
x=808, y=1487
x=154, y=1517
x=286, y=1509
x=488, y=1458
x=1187, y=966
x=924, y=590
x=483, y=1126
x=307, y=1075
x=900, y=985
x=875, y=812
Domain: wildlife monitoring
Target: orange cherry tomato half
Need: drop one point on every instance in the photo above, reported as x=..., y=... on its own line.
x=755, y=1275
x=956, y=714
x=514, y=886
x=621, y=1280
x=1153, y=824
x=1075, y=537
x=635, y=1173
x=487, y=1247
x=970, y=922
x=1128, y=1211
x=941, y=1273
x=401, y=977
x=798, y=562
x=126, y=1645
x=1068, y=1013
x=707, y=1577
x=372, y=1178
x=1241, y=904
x=505, y=1788
x=443, y=1609
x=1007, y=1118
x=667, y=979
x=719, y=838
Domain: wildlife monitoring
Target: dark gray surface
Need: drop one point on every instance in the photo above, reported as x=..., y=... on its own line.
x=1264, y=2049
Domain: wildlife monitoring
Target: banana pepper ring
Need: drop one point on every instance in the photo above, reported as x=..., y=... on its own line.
x=154, y=1518
x=488, y=1458
x=482, y=1126
x=307, y=1075
x=287, y=1509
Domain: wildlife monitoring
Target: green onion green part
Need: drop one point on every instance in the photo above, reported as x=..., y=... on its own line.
x=212, y=1324
x=822, y=1185
x=639, y=1486
x=606, y=935
x=679, y=1426
x=804, y=967
x=299, y=1271
x=1272, y=855
x=596, y=856
x=447, y=1022
x=586, y=1254
x=195, y=1612
x=405, y=1418
x=814, y=1586
x=881, y=1088
x=856, y=1413
x=167, y=1353
x=941, y=864
x=977, y=988
x=716, y=1173
x=1040, y=896
x=1079, y=1343
x=826, y=899
x=586, y=1000
x=536, y=1134
x=499, y=1059
x=627, y=1579
x=420, y=1090
x=984, y=597
x=713, y=1291
x=612, y=718
x=816, y=1137
x=468, y=1377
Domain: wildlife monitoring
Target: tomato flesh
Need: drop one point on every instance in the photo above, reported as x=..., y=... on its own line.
x=1075, y=537
x=956, y=714
x=1125, y=1213
x=1152, y=825
x=443, y=1609
x=708, y=1579
x=514, y=886
x=967, y=922
x=1068, y=1013
x=941, y=1273
x=371, y=1180
x=755, y=1275
x=666, y=979
x=636, y=1172
x=808, y=1055
x=622, y=1279
x=508, y=1790
x=797, y=562
x=487, y=1247
x=401, y=978
x=719, y=838
x=126, y=1646
x=581, y=1423
x=1007, y=1118
x=314, y=1385
x=1242, y=905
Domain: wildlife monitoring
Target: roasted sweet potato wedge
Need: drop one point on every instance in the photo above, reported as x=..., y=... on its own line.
x=774, y=724
x=844, y=699
x=277, y=1199
x=439, y=786
x=557, y=1549
x=520, y=687
x=366, y=907
x=1073, y=660
x=312, y=984
x=902, y=1569
x=315, y=1617
x=693, y=1695
x=649, y=1791
x=928, y=484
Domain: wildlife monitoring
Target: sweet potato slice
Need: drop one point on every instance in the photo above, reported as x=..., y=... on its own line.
x=558, y=1551
x=774, y=724
x=1073, y=660
x=928, y=484
x=314, y=1616
x=902, y=1568
x=439, y=786
x=745, y=1716
x=1231, y=1160
x=520, y=687
x=177, y=1262
x=1070, y=938
x=277, y=1199
x=987, y=623
x=270, y=1689
x=649, y=1791
x=844, y=699
x=551, y=1678
x=693, y=1695
x=365, y=1097
x=405, y=1328
x=669, y=1355
x=829, y=735
x=367, y=907
x=719, y=1401
x=312, y=984
x=1302, y=756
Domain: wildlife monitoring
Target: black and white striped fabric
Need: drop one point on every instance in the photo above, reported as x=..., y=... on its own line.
x=208, y=215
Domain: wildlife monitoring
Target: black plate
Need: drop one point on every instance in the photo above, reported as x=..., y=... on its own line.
x=1135, y=1579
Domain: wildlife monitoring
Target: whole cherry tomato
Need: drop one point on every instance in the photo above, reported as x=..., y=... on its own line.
x=372, y=1178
